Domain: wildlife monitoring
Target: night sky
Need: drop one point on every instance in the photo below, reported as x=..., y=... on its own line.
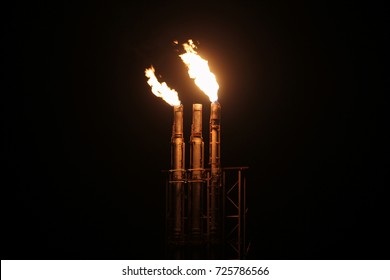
x=85, y=140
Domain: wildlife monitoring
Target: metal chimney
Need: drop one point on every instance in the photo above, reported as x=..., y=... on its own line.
x=215, y=163
x=196, y=170
x=178, y=172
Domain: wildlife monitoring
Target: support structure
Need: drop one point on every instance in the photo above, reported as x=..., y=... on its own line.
x=235, y=210
x=205, y=208
x=234, y=242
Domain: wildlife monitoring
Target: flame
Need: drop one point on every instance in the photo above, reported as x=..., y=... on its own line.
x=199, y=70
x=161, y=89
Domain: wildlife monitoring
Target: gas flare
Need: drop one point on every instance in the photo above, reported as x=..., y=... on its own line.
x=198, y=69
x=161, y=89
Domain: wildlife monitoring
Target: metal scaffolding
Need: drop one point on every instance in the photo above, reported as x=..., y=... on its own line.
x=235, y=210
x=230, y=194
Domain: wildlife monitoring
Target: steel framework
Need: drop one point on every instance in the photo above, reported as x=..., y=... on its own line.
x=231, y=205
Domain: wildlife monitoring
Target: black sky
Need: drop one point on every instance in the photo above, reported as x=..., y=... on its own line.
x=85, y=140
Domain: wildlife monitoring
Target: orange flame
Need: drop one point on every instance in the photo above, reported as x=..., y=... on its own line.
x=161, y=89
x=199, y=70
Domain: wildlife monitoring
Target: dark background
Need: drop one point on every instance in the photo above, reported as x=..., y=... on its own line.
x=85, y=140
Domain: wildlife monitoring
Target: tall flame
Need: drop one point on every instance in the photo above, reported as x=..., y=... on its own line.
x=161, y=89
x=198, y=69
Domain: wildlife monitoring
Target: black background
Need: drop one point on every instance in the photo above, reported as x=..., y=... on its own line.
x=85, y=140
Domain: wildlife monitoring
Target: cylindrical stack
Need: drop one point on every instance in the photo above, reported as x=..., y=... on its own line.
x=196, y=168
x=215, y=163
x=178, y=172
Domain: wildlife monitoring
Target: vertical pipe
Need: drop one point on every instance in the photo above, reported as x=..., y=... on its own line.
x=208, y=216
x=223, y=205
x=178, y=170
x=167, y=216
x=196, y=166
x=239, y=215
x=215, y=118
x=244, y=218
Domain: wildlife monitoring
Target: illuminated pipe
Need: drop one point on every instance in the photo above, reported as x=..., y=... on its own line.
x=178, y=170
x=215, y=163
x=196, y=167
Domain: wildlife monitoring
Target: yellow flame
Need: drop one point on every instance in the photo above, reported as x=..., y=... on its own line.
x=198, y=69
x=161, y=89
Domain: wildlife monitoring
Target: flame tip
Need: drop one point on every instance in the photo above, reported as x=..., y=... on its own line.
x=199, y=70
x=161, y=89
